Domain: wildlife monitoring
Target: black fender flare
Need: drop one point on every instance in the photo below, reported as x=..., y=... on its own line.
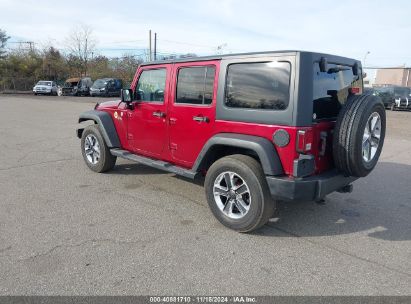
x=265, y=150
x=105, y=124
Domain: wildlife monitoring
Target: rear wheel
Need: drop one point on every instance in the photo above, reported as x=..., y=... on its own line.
x=95, y=152
x=237, y=193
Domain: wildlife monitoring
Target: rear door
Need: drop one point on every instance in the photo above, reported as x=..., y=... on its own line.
x=147, y=118
x=191, y=109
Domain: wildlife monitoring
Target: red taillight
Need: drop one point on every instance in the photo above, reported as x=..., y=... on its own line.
x=355, y=90
x=304, y=140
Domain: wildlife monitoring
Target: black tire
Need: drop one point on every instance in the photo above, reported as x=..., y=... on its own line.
x=349, y=132
x=106, y=160
x=261, y=206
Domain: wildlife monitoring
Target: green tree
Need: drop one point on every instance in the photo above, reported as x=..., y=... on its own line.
x=125, y=67
x=99, y=67
x=54, y=65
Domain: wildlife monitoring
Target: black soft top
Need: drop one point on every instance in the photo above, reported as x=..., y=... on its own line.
x=334, y=58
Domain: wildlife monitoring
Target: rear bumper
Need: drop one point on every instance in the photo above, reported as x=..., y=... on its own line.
x=307, y=188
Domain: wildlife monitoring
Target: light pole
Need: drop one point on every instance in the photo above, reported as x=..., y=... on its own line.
x=220, y=48
x=363, y=65
x=365, y=57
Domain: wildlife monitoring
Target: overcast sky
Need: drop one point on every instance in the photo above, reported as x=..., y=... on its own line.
x=348, y=28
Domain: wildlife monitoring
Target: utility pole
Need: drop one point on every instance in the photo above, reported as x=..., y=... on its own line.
x=149, y=45
x=155, y=46
x=31, y=45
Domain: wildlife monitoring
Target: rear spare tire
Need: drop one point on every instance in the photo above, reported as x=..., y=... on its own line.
x=359, y=135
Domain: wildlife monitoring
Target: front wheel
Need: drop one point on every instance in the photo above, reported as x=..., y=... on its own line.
x=95, y=152
x=237, y=193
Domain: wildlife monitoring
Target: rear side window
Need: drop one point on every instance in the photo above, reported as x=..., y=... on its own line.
x=262, y=85
x=151, y=85
x=332, y=88
x=195, y=85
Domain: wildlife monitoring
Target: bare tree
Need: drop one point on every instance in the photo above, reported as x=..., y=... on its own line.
x=81, y=45
x=3, y=41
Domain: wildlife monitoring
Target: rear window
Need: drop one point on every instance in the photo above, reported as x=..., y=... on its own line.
x=332, y=88
x=261, y=85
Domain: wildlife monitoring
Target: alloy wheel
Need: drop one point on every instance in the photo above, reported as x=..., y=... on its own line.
x=232, y=195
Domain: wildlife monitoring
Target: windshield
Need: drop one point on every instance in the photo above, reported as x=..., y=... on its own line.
x=384, y=90
x=402, y=92
x=332, y=88
x=70, y=84
x=99, y=83
x=44, y=83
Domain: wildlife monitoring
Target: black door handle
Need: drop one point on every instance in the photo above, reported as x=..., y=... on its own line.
x=159, y=114
x=201, y=118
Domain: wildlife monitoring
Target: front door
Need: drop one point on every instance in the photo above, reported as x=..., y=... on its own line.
x=191, y=109
x=147, y=118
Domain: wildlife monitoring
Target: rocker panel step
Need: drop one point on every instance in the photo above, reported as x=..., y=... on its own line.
x=158, y=164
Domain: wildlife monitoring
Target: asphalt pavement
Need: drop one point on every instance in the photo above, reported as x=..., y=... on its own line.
x=65, y=230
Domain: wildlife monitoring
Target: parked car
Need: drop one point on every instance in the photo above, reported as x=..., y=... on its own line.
x=394, y=97
x=45, y=87
x=260, y=127
x=106, y=87
x=386, y=94
x=77, y=86
x=402, y=98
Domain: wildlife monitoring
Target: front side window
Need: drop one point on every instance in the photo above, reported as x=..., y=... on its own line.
x=151, y=85
x=261, y=85
x=195, y=85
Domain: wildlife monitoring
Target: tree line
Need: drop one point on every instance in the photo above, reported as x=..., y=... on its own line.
x=21, y=68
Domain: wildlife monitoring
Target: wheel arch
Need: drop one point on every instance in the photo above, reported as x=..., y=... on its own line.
x=225, y=144
x=105, y=124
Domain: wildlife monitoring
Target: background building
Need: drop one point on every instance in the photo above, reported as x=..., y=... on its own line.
x=398, y=76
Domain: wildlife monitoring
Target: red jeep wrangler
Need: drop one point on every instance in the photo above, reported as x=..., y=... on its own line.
x=287, y=125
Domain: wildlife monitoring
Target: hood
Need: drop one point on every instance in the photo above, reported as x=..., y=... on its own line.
x=108, y=105
x=42, y=86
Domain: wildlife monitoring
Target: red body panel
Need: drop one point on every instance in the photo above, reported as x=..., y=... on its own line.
x=178, y=139
x=187, y=136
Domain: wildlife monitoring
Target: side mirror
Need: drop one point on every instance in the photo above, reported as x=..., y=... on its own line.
x=126, y=95
x=323, y=65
